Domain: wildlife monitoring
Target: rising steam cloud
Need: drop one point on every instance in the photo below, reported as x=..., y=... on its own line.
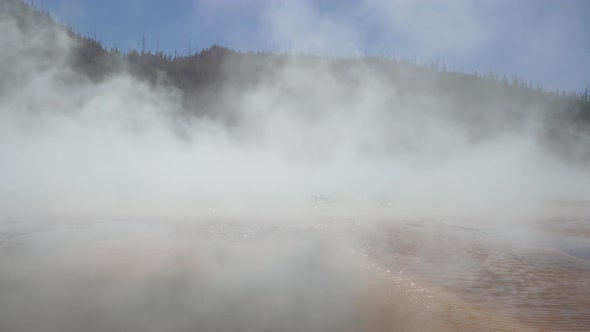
x=73, y=146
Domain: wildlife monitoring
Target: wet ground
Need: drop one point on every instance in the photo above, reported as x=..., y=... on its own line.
x=321, y=275
x=484, y=280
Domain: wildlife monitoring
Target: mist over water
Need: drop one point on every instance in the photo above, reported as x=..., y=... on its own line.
x=124, y=208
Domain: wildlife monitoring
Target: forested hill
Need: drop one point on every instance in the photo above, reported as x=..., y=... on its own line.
x=214, y=80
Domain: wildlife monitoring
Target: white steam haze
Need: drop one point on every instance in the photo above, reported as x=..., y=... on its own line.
x=76, y=147
x=304, y=144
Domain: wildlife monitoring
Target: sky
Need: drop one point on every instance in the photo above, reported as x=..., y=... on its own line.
x=542, y=41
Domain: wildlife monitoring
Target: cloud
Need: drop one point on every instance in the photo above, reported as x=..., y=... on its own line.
x=543, y=43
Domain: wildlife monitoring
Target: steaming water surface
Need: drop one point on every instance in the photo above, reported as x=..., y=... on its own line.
x=486, y=281
x=320, y=275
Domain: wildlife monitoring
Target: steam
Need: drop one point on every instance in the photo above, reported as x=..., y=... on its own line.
x=114, y=148
x=508, y=37
x=311, y=140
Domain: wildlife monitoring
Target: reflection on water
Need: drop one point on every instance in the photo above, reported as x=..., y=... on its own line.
x=488, y=281
x=320, y=276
